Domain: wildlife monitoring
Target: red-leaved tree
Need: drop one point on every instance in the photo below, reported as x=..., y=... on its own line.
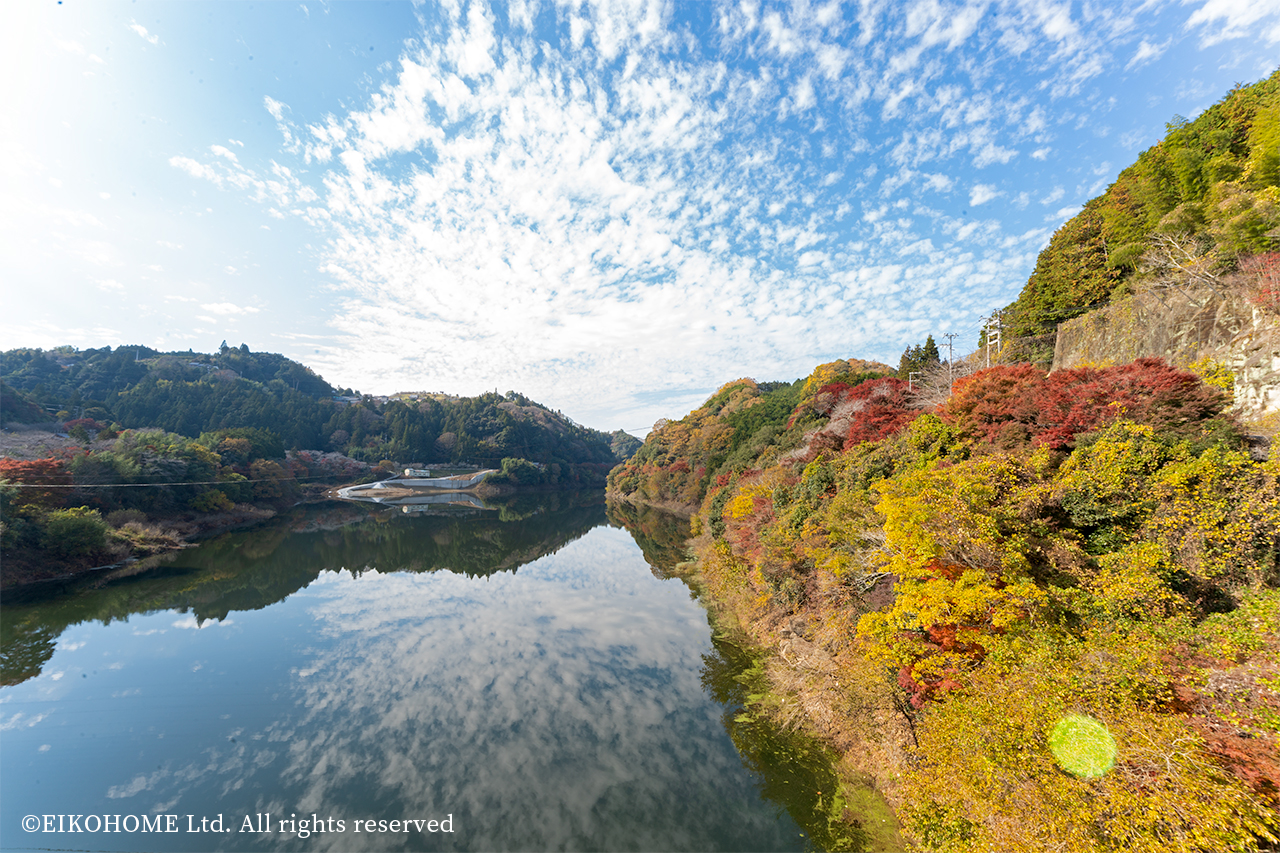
x=1009, y=406
x=887, y=406
x=31, y=475
x=1147, y=391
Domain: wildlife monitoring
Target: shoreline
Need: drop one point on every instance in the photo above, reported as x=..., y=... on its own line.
x=28, y=568
x=180, y=532
x=816, y=684
x=825, y=689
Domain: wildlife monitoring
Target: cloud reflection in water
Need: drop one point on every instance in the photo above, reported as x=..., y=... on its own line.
x=557, y=707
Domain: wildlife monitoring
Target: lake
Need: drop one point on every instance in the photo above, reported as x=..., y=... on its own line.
x=526, y=677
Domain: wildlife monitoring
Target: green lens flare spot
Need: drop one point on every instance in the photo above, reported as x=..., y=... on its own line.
x=1083, y=746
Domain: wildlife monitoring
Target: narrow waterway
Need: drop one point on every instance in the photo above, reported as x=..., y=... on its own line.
x=522, y=676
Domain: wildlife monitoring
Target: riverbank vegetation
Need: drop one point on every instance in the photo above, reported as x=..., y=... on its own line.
x=1039, y=610
x=943, y=586
x=116, y=454
x=143, y=492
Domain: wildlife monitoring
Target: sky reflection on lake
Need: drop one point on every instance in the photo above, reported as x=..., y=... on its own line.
x=558, y=706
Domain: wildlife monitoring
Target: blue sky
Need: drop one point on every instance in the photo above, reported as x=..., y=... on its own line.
x=611, y=207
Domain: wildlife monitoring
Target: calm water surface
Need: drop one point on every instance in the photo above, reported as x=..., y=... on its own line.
x=525, y=671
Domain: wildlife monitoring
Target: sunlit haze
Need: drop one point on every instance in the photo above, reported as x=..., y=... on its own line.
x=612, y=208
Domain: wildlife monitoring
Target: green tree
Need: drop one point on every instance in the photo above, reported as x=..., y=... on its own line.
x=918, y=358
x=74, y=532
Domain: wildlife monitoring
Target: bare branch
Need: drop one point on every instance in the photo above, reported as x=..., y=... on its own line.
x=1184, y=263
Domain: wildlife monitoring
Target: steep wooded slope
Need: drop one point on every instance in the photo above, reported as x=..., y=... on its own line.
x=1192, y=206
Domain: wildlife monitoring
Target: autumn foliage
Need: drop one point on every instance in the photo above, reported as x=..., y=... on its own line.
x=1262, y=274
x=1008, y=406
x=31, y=474
x=862, y=411
x=1093, y=541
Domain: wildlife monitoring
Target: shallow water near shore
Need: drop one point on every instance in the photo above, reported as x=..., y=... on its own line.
x=522, y=672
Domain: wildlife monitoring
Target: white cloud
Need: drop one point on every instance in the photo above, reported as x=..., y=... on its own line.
x=983, y=193
x=629, y=206
x=991, y=153
x=193, y=168
x=935, y=24
x=1147, y=52
x=802, y=96
x=142, y=33
x=1222, y=20
x=274, y=107
x=939, y=182
x=1055, y=194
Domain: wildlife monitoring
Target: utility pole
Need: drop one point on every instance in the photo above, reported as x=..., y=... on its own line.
x=911, y=378
x=986, y=338
x=993, y=334
x=951, y=359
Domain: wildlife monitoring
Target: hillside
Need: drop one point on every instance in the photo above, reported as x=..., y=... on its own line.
x=1195, y=207
x=190, y=393
x=681, y=459
x=953, y=592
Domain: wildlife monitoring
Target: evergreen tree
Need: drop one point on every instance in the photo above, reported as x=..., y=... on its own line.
x=918, y=358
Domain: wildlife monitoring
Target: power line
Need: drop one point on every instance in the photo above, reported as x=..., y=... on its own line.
x=160, y=485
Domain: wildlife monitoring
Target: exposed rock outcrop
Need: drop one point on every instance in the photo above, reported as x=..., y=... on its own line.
x=1183, y=327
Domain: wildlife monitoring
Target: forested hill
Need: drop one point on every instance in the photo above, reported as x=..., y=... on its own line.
x=192, y=393
x=1039, y=590
x=1199, y=205
x=681, y=460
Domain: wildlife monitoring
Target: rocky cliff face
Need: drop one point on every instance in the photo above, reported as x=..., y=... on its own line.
x=1183, y=326
x=1254, y=359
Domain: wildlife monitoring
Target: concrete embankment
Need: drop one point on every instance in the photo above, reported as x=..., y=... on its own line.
x=403, y=487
